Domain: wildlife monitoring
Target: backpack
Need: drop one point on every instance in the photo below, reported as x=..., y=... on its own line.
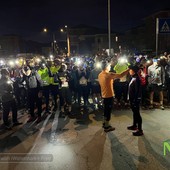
x=32, y=81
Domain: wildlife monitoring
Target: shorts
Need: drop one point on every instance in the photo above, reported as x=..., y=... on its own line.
x=155, y=88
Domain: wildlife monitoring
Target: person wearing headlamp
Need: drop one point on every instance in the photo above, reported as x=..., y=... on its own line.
x=107, y=91
x=156, y=80
x=45, y=74
x=8, y=99
x=82, y=87
x=54, y=81
x=121, y=85
x=134, y=96
x=95, y=87
x=34, y=94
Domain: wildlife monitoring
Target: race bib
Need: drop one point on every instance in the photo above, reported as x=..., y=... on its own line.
x=83, y=81
x=64, y=82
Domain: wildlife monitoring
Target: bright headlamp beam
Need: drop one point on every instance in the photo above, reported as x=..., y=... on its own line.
x=123, y=60
x=98, y=65
x=78, y=62
x=11, y=63
x=2, y=62
x=38, y=60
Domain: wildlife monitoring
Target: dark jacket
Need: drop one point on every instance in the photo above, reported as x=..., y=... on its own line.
x=6, y=90
x=167, y=71
x=82, y=75
x=134, y=89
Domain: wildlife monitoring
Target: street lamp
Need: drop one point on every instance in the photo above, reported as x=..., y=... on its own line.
x=68, y=39
x=116, y=38
x=45, y=30
x=53, y=40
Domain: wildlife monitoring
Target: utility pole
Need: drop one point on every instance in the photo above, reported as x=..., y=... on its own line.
x=68, y=43
x=109, y=29
x=157, y=33
x=68, y=39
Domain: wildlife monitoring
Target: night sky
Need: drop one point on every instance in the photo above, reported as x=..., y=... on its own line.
x=28, y=17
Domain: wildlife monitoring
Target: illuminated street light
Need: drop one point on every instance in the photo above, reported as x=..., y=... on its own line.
x=45, y=30
x=53, y=40
x=68, y=39
x=120, y=48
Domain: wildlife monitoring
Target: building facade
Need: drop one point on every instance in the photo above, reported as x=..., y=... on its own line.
x=143, y=38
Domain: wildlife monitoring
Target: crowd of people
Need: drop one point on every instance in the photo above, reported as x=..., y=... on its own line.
x=77, y=79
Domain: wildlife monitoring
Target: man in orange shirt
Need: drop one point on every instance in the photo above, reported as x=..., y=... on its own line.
x=106, y=83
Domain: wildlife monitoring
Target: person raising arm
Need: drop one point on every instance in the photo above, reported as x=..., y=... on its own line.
x=107, y=91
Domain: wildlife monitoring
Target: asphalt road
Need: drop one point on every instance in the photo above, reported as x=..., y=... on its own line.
x=81, y=144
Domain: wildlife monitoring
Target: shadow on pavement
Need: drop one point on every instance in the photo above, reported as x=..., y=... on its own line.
x=83, y=117
x=57, y=127
x=92, y=155
x=121, y=158
x=16, y=137
x=146, y=147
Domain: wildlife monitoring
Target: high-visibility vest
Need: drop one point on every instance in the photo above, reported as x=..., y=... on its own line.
x=54, y=71
x=119, y=68
x=44, y=73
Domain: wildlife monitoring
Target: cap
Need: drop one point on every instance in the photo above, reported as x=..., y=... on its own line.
x=135, y=68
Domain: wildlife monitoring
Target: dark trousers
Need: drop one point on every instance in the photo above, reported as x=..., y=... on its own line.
x=137, y=119
x=121, y=90
x=108, y=105
x=83, y=92
x=46, y=94
x=54, y=92
x=21, y=96
x=7, y=106
x=34, y=99
x=168, y=89
x=65, y=96
x=144, y=95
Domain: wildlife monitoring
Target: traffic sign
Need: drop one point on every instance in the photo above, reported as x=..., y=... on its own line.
x=164, y=25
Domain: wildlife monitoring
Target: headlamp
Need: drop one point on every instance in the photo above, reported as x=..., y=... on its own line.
x=148, y=61
x=8, y=82
x=11, y=63
x=98, y=65
x=2, y=62
x=122, y=60
x=78, y=62
x=38, y=60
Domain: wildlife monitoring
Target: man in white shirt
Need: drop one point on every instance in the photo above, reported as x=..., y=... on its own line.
x=156, y=79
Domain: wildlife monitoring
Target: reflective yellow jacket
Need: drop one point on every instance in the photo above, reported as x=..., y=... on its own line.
x=44, y=73
x=54, y=71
